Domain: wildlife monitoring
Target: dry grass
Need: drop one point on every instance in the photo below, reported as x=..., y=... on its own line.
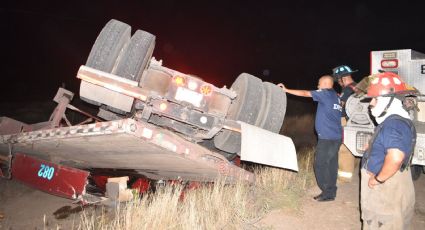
x=219, y=206
x=282, y=189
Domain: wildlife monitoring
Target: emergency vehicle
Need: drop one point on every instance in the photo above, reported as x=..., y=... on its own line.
x=410, y=66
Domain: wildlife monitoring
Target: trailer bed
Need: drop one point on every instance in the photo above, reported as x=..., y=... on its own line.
x=124, y=144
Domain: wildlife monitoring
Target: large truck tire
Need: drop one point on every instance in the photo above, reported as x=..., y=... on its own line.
x=136, y=56
x=272, y=112
x=245, y=107
x=107, y=47
x=416, y=171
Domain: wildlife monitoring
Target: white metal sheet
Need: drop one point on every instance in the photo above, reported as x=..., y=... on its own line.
x=268, y=148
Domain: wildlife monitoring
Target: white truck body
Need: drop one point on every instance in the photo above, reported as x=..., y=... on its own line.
x=410, y=65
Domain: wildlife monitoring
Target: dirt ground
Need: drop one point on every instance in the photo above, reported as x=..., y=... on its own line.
x=24, y=208
x=341, y=214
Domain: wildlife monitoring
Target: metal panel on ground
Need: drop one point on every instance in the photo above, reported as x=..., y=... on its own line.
x=55, y=179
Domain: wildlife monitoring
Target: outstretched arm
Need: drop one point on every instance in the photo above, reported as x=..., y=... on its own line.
x=296, y=92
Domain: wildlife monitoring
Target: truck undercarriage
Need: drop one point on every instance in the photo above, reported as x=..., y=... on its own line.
x=153, y=122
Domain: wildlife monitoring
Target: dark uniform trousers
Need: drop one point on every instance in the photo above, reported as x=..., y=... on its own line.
x=389, y=205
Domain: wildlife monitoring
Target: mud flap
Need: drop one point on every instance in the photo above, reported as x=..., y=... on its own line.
x=268, y=148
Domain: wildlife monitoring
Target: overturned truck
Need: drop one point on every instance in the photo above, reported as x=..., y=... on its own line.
x=153, y=122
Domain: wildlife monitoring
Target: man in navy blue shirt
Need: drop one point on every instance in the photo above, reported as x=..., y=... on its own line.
x=387, y=192
x=329, y=132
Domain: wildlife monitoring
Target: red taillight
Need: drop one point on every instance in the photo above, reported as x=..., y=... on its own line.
x=179, y=80
x=390, y=63
x=206, y=90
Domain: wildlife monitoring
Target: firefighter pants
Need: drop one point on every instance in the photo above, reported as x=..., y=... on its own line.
x=389, y=205
x=346, y=160
x=326, y=166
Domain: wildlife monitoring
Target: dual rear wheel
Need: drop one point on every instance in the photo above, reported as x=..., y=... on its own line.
x=258, y=103
x=116, y=51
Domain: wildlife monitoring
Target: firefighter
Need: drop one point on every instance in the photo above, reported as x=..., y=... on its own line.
x=342, y=74
x=346, y=160
x=387, y=192
x=329, y=131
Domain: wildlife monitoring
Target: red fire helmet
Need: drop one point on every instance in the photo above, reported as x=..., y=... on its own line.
x=388, y=84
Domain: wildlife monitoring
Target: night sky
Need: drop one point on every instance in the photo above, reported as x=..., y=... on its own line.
x=44, y=43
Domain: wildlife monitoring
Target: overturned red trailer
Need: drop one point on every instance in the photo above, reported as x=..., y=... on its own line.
x=153, y=122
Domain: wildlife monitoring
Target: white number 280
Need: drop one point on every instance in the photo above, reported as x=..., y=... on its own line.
x=46, y=172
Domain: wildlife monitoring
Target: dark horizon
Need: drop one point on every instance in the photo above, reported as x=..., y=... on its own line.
x=44, y=43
